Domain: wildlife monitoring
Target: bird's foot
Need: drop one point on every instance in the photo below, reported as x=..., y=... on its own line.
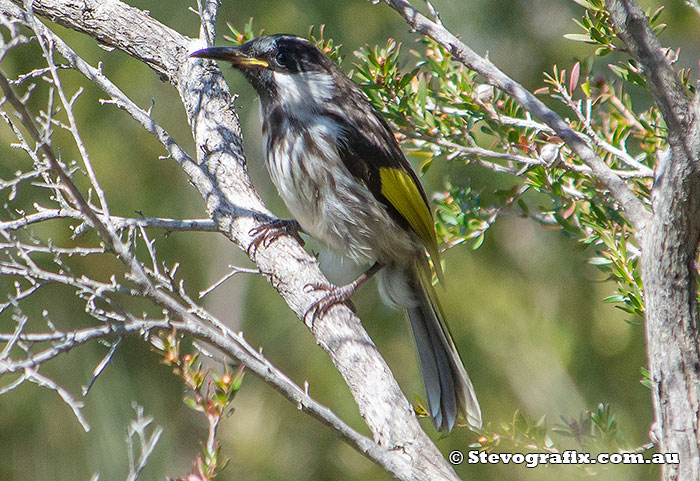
x=334, y=295
x=266, y=233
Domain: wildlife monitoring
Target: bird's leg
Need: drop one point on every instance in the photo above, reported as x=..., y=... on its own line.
x=268, y=232
x=336, y=295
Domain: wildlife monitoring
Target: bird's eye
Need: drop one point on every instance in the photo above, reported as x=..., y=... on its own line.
x=281, y=58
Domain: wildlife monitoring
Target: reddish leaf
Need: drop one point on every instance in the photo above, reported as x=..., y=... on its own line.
x=573, y=79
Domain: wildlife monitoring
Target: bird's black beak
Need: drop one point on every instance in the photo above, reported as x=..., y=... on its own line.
x=234, y=55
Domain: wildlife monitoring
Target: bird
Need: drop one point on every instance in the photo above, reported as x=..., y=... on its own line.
x=341, y=172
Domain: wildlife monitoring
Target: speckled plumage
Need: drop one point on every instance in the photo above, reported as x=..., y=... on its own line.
x=326, y=148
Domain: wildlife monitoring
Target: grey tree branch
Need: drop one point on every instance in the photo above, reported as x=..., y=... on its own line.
x=669, y=251
x=664, y=84
x=168, y=225
x=634, y=209
x=219, y=174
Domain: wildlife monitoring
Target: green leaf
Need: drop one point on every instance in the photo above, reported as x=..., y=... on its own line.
x=479, y=241
x=646, y=378
x=614, y=298
x=655, y=16
x=519, y=422
x=406, y=78
x=578, y=37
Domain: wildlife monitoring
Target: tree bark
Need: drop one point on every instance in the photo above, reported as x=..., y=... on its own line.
x=669, y=252
x=669, y=273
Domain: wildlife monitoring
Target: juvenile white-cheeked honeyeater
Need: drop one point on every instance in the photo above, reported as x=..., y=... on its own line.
x=344, y=178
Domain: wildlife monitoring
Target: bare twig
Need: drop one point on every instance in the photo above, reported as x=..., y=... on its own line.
x=146, y=443
x=230, y=343
x=101, y=366
x=47, y=48
x=21, y=322
x=43, y=381
x=234, y=270
x=694, y=5
x=168, y=225
x=56, y=168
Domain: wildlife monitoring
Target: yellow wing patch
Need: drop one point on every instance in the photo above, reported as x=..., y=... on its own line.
x=402, y=192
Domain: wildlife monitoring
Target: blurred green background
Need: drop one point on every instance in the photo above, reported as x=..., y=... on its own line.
x=526, y=310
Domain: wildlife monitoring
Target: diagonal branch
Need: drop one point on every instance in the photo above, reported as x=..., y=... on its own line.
x=232, y=344
x=641, y=42
x=220, y=175
x=55, y=166
x=680, y=113
x=634, y=208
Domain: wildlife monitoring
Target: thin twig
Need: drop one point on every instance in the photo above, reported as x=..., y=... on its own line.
x=168, y=225
x=601, y=143
x=66, y=181
x=77, y=406
x=68, y=109
x=234, y=270
x=101, y=366
x=147, y=443
x=21, y=323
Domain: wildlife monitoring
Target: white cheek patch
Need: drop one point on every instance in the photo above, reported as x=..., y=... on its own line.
x=303, y=87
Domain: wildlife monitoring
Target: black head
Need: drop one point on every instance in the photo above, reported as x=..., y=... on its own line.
x=261, y=58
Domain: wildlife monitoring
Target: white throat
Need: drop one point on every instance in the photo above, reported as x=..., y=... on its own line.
x=301, y=91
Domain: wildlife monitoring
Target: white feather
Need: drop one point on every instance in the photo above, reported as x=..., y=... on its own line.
x=301, y=90
x=328, y=201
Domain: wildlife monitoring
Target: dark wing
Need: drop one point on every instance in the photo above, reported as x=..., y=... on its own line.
x=372, y=154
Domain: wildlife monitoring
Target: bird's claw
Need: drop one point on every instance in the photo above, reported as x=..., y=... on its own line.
x=266, y=233
x=334, y=295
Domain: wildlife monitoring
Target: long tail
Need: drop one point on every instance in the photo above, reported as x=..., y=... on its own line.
x=447, y=385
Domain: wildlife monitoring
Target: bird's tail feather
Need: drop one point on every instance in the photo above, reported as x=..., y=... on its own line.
x=448, y=388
